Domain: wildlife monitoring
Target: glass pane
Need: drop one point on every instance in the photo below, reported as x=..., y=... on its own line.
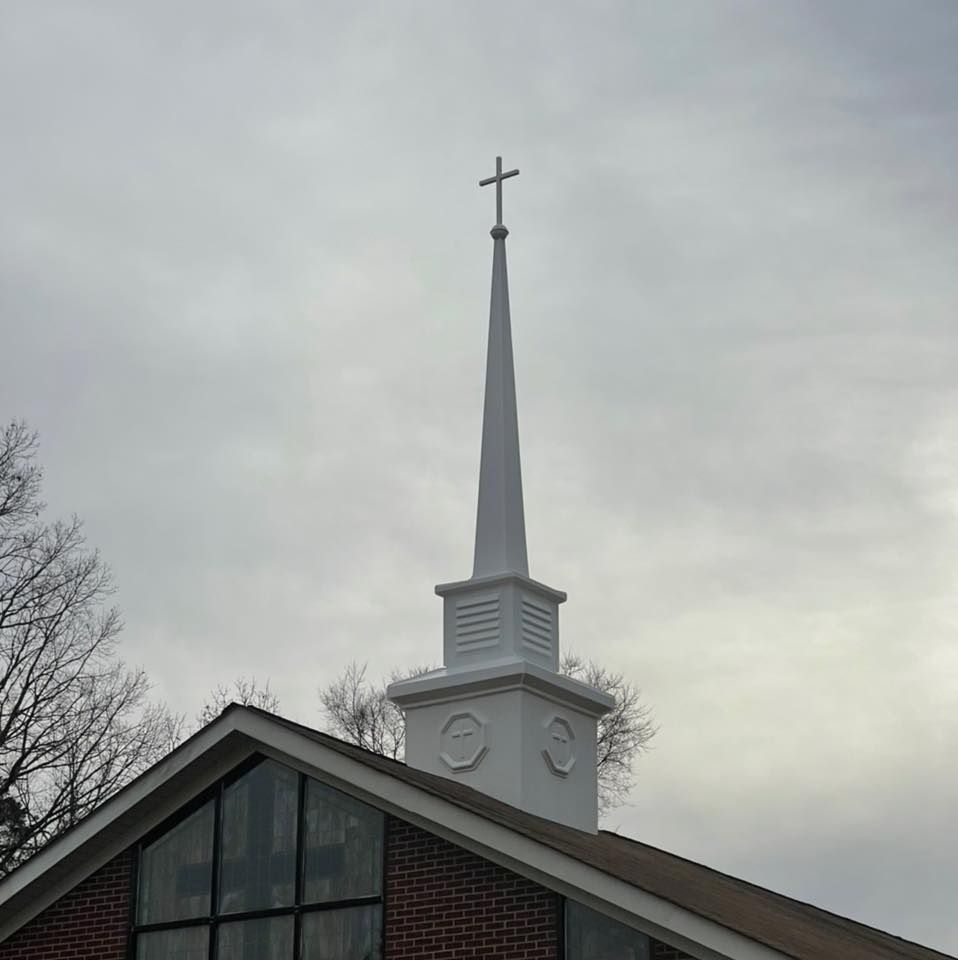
x=593, y=936
x=344, y=846
x=190, y=943
x=258, y=850
x=351, y=934
x=267, y=939
x=175, y=871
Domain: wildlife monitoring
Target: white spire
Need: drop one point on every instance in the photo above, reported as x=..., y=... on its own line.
x=500, y=521
x=497, y=715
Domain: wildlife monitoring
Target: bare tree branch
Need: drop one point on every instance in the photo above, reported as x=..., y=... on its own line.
x=245, y=691
x=357, y=710
x=623, y=734
x=75, y=723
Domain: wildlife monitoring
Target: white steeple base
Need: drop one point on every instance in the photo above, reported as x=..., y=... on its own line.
x=512, y=729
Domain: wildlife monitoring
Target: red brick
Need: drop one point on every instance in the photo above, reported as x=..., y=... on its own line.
x=91, y=922
x=444, y=902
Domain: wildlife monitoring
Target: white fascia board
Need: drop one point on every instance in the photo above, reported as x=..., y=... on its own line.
x=698, y=936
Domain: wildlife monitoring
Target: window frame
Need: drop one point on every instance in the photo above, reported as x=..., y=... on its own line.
x=216, y=918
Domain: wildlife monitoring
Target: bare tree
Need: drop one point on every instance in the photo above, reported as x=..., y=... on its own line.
x=624, y=732
x=75, y=723
x=358, y=711
x=245, y=691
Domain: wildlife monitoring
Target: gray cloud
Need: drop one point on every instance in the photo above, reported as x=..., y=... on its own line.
x=243, y=286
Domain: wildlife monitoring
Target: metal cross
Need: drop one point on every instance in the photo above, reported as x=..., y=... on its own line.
x=497, y=180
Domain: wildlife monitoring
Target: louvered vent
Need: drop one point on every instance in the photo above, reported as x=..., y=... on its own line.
x=477, y=622
x=537, y=626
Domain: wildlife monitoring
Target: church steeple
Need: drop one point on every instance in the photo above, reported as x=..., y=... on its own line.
x=498, y=716
x=500, y=520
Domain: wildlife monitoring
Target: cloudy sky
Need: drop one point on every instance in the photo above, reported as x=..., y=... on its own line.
x=244, y=271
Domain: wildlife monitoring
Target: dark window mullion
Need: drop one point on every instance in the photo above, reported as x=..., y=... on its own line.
x=264, y=914
x=134, y=902
x=340, y=904
x=173, y=925
x=300, y=881
x=560, y=927
x=215, y=870
x=384, y=839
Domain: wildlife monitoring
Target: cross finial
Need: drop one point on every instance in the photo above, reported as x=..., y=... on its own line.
x=497, y=180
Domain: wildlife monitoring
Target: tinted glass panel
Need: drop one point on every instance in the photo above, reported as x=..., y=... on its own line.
x=344, y=853
x=175, y=871
x=592, y=936
x=191, y=943
x=258, y=848
x=351, y=934
x=268, y=939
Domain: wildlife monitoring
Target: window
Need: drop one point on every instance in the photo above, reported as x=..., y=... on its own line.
x=593, y=936
x=273, y=865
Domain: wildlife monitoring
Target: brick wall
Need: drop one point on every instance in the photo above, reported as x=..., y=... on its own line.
x=445, y=903
x=89, y=923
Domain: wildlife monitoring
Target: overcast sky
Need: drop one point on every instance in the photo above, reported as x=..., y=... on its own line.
x=244, y=280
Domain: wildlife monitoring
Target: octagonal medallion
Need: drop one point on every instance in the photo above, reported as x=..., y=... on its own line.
x=462, y=741
x=559, y=745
